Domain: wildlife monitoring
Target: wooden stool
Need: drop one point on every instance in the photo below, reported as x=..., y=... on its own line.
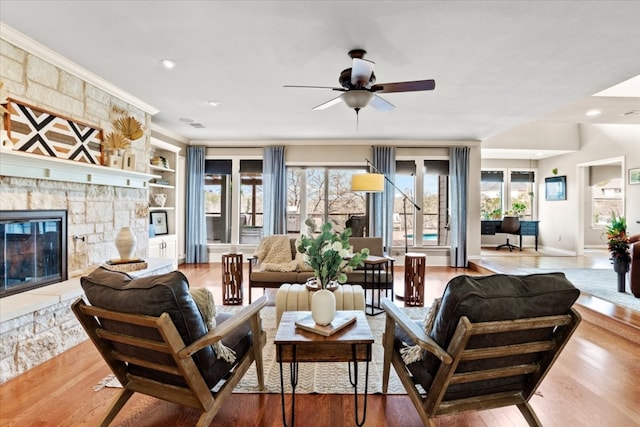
x=414, y=268
x=232, y=278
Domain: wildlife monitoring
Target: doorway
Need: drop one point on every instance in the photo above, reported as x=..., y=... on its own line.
x=601, y=190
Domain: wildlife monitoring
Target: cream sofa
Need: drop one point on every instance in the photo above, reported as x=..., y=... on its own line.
x=267, y=278
x=296, y=297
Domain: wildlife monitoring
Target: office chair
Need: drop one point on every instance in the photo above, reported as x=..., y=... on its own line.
x=510, y=225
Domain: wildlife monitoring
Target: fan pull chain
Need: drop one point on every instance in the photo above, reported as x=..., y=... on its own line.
x=357, y=118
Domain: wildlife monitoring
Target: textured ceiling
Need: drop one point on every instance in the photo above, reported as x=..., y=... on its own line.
x=497, y=64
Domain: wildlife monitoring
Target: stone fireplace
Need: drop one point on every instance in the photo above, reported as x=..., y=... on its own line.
x=38, y=324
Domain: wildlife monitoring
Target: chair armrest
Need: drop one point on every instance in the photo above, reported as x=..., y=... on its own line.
x=414, y=331
x=224, y=328
x=253, y=262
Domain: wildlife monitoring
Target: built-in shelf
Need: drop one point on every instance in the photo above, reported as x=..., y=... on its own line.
x=153, y=184
x=160, y=168
x=27, y=165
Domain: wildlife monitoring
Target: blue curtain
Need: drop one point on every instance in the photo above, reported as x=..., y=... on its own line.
x=196, y=239
x=384, y=159
x=459, y=194
x=274, y=175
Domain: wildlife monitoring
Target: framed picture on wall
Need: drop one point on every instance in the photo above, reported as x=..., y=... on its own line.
x=159, y=221
x=555, y=188
x=634, y=176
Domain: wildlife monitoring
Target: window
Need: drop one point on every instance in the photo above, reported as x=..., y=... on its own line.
x=491, y=194
x=406, y=182
x=435, y=203
x=217, y=206
x=322, y=194
x=251, y=201
x=521, y=193
x=508, y=192
x=607, y=198
x=432, y=195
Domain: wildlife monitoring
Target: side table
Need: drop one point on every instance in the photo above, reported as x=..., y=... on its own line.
x=351, y=344
x=375, y=269
x=415, y=265
x=232, y=278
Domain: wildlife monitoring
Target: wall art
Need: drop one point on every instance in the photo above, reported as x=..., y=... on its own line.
x=34, y=130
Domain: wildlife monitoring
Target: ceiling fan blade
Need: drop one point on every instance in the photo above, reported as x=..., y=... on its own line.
x=317, y=87
x=380, y=103
x=361, y=72
x=329, y=103
x=413, y=86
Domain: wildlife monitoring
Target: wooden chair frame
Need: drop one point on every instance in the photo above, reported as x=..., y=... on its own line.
x=433, y=404
x=197, y=394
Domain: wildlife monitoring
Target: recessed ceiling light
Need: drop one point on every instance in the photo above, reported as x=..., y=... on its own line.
x=187, y=120
x=592, y=113
x=213, y=103
x=168, y=64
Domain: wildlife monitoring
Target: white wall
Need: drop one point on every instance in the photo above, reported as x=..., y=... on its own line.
x=559, y=220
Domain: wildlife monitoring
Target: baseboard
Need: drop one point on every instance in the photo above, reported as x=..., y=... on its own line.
x=557, y=250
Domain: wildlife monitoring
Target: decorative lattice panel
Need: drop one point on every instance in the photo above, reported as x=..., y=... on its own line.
x=34, y=130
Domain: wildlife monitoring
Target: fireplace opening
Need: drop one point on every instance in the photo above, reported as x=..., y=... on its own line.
x=34, y=249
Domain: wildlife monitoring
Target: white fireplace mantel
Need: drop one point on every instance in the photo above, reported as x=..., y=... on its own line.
x=26, y=165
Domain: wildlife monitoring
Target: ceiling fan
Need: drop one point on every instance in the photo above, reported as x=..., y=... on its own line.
x=360, y=89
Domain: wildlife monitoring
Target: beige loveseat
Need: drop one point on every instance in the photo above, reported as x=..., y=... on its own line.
x=263, y=274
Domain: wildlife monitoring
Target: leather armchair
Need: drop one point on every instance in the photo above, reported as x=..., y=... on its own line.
x=634, y=269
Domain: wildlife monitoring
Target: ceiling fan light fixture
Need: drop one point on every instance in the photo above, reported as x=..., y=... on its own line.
x=357, y=98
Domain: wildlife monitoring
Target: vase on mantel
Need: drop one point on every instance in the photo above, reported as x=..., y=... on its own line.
x=323, y=307
x=126, y=243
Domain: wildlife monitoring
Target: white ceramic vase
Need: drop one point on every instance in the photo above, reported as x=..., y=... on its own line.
x=126, y=243
x=323, y=307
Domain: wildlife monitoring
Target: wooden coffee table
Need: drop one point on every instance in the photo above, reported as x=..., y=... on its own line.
x=351, y=344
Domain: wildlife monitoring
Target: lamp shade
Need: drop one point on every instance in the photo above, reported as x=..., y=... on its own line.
x=369, y=182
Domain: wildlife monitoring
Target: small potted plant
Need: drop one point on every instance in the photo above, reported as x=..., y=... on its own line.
x=518, y=208
x=618, y=245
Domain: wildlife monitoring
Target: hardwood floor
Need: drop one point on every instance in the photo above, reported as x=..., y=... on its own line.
x=595, y=382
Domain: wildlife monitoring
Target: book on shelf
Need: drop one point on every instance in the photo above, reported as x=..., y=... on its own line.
x=341, y=320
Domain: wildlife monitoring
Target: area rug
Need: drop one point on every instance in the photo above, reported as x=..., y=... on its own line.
x=325, y=378
x=598, y=282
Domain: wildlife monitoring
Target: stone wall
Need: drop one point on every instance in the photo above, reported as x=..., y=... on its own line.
x=95, y=212
x=34, y=338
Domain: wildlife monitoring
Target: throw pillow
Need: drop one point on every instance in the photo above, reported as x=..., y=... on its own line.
x=207, y=306
x=414, y=353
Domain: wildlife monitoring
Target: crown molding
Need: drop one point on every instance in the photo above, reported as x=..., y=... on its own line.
x=156, y=128
x=35, y=48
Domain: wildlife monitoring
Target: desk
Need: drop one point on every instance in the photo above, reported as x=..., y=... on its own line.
x=351, y=344
x=527, y=228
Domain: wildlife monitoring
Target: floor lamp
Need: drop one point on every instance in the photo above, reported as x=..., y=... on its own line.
x=374, y=183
